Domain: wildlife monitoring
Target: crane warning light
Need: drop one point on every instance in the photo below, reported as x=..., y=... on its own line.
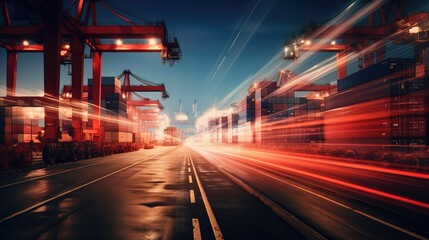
x=152, y=41
x=415, y=30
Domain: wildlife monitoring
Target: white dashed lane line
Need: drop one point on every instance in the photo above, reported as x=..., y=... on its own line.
x=196, y=227
x=215, y=226
x=192, y=196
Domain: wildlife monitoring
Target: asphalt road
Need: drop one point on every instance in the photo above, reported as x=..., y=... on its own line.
x=337, y=198
x=161, y=193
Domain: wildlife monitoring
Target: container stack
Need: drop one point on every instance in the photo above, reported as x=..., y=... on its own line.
x=16, y=127
x=172, y=136
x=385, y=102
x=117, y=126
x=5, y=125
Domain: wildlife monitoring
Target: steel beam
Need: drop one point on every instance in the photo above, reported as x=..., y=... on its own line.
x=342, y=64
x=52, y=19
x=5, y=11
x=77, y=58
x=96, y=93
x=112, y=32
x=12, y=60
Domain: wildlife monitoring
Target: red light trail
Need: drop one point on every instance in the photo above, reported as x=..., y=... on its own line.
x=272, y=161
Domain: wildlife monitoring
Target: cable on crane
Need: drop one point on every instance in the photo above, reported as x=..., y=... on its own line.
x=71, y=4
x=139, y=96
x=140, y=79
x=117, y=14
x=126, y=11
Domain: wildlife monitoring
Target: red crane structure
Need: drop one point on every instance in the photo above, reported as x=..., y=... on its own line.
x=147, y=86
x=62, y=35
x=404, y=100
x=386, y=22
x=148, y=118
x=128, y=91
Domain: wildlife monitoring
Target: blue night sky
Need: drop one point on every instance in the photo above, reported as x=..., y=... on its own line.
x=223, y=42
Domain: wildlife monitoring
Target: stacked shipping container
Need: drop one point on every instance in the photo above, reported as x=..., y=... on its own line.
x=117, y=127
x=16, y=127
x=380, y=107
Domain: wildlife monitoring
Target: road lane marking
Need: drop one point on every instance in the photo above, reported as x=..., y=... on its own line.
x=34, y=206
x=48, y=175
x=189, y=169
x=339, y=204
x=212, y=218
x=192, y=196
x=190, y=178
x=337, y=182
x=196, y=229
x=57, y=173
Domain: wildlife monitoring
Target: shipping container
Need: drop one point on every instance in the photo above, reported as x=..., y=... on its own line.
x=394, y=67
x=375, y=125
x=107, y=81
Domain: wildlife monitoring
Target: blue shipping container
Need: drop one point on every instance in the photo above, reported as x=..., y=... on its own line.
x=378, y=70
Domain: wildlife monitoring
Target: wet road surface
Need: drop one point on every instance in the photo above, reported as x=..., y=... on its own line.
x=161, y=193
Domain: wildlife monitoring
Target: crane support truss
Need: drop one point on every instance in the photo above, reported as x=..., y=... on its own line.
x=60, y=34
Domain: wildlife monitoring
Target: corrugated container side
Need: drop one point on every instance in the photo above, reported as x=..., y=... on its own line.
x=108, y=136
x=106, y=81
x=7, y=138
x=115, y=137
x=361, y=93
x=109, y=126
x=122, y=137
x=21, y=138
x=129, y=137
x=2, y=125
x=378, y=70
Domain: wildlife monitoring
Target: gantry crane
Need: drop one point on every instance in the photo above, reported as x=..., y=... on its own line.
x=145, y=102
x=391, y=23
x=62, y=34
x=128, y=91
x=147, y=86
x=370, y=42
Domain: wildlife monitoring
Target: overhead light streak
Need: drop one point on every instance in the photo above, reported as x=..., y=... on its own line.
x=242, y=34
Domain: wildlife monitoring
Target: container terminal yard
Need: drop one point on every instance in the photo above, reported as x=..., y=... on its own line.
x=328, y=140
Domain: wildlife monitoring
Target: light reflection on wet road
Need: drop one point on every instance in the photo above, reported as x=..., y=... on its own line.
x=138, y=195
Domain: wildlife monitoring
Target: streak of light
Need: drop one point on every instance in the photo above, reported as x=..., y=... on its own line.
x=328, y=65
x=251, y=13
x=238, y=40
x=258, y=161
x=233, y=42
x=334, y=202
x=221, y=62
x=271, y=155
